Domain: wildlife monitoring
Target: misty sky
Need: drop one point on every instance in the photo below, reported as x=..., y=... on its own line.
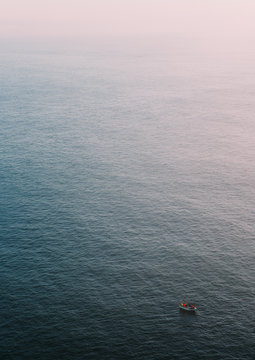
x=225, y=20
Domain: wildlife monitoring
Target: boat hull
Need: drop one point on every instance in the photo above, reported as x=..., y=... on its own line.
x=188, y=309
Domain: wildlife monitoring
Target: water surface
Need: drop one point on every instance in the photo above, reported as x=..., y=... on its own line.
x=127, y=184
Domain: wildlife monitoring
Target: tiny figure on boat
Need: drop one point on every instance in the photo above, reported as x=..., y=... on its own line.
x=185, y=306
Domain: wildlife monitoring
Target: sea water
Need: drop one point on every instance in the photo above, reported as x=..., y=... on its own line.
x=127, y=184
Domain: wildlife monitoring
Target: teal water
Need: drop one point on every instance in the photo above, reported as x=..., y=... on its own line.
x=127, y=184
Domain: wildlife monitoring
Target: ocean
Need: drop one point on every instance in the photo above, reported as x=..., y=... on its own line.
x=127, y=184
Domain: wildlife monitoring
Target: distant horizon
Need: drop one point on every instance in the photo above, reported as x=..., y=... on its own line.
x=160, y=43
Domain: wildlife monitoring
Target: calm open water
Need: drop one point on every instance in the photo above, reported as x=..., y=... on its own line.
x=127, y=184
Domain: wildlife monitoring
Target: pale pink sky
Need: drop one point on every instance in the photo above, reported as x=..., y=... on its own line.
x=233, y=20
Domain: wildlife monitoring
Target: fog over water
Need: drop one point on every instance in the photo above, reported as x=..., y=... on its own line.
x=218, y=22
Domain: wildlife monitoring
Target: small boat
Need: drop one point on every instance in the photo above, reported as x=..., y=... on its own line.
x=184, y=306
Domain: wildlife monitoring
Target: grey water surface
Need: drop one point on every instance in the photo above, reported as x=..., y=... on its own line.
x=127, y=183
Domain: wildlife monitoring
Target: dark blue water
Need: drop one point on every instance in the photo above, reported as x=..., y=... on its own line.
x=127, y=184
